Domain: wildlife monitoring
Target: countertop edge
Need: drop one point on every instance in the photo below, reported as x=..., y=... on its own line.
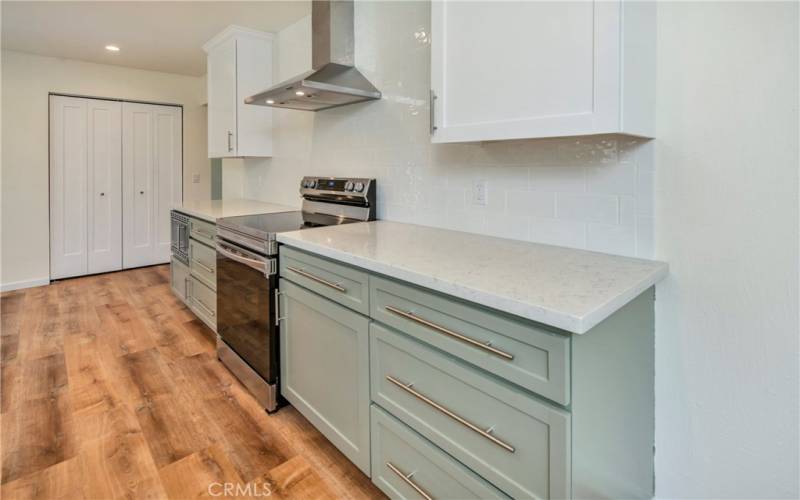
x=570, y=323
x=196, y=213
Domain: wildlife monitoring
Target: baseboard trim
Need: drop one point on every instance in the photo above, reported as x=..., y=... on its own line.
x=16, y=285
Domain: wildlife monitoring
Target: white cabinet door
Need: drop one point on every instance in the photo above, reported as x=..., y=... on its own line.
x=222, y=102
x=512, y=70
x=253, y=75
x=151, y=183
x=104, y=186
x=68, y=186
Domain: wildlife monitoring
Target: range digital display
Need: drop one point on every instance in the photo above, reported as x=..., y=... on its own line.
x=331, y=184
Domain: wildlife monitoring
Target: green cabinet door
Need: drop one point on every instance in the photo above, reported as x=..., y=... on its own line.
x=325, y=368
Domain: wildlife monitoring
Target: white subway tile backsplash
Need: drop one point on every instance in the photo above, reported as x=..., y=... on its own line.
x=611, y=238
x=588, y=207
x=531, y=203
x=565, y=233
x=587, y=192
x=612, y=179
x=559, y=179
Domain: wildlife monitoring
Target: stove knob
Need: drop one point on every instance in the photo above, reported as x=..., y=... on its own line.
x=359, y=187
x=348, y=186
x=312, y=184
x=304, y=184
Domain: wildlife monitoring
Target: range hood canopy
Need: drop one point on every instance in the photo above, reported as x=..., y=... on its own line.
x=334, y=81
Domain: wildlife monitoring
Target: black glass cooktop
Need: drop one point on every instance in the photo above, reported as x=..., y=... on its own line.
x=264, y=226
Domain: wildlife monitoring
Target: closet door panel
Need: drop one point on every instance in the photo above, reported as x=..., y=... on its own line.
x=168, y=174
x=68, y=186
x=137, y=185
x=104, y=186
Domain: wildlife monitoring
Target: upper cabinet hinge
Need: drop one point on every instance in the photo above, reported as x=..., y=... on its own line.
x=433, y=112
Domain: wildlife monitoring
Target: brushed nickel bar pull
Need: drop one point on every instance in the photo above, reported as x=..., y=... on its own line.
x=205, y=267
x=451, y=333
x=485, y=433
x=316, y=278
x=204, y=234
x=408, y=481
x=204, y=307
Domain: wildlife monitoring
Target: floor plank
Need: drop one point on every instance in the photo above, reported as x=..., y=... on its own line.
x=111, y=388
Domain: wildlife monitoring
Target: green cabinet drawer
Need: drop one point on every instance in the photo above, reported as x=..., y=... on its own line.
x=338, y=282
x=513, y=440
x=325, y=368
x=406, y=465
x=203, y=302
x=202, y=231
x=518, y=351
x=203, y=263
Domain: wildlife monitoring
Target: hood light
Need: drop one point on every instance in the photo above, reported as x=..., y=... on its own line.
x=112, y=48
x=300, y=92
x=270, y=101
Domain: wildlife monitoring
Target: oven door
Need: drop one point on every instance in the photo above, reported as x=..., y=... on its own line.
x=246, y=283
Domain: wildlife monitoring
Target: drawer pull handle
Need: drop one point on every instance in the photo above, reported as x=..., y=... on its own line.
x=433, y=326
x=316, y=278
x=204, y=234
x=485, y=433
x=408, y=481
x=203, y=266
x=204, y=307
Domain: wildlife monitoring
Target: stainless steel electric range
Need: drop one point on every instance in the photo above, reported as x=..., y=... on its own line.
x=247, y=281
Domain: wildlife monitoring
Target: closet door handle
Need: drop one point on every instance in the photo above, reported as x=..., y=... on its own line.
x=141, y=192
x=102, y=194
x=230, y=136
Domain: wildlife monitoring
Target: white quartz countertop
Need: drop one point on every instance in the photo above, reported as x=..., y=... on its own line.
x=562, y=287
x=211, y=210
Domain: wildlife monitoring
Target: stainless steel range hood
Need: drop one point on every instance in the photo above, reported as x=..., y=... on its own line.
x=334, y=81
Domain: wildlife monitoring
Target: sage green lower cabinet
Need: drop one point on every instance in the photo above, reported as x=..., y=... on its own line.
x=179, y=279
x=465, y=401
x=406, y=465
x=518, y=443
x=325, y=368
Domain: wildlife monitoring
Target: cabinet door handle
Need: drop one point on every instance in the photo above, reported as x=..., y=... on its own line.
x=203, y=266
x=466, y=423
x=407, y=479
x=278, y=317
x=317, y=279
x=432, y=116
x=433, y=326
x=230, y=136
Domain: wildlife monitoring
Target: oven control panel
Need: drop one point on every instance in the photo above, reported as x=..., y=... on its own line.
x=345, y=185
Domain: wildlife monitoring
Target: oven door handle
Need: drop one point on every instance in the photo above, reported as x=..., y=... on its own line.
x=229, y=253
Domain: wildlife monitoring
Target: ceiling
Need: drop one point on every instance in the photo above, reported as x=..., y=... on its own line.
x=158, y=36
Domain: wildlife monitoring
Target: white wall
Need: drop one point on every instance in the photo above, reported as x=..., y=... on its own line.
x=26, y=82
x=727, y=223
x=588, y=192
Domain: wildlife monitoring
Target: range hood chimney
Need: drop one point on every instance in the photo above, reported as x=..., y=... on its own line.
x=334, y=81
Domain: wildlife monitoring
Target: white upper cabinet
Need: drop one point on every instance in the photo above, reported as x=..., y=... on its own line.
x=239, y=65
x=515, y=70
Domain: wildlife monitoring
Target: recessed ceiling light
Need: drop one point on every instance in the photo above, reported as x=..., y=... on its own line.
x=112, y=48
x=300, y=92
x=270, y=101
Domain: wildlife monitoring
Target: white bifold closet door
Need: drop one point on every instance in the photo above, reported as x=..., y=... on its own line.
x=85, y=186
x=115, y=173
x=152, y=165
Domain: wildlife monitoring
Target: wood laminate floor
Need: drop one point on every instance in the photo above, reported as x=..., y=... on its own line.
x=110, y=388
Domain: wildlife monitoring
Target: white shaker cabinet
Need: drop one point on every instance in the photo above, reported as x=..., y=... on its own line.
x=515, y=70
x=239, y=65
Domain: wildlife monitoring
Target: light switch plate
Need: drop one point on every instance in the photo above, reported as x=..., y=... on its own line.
x=479, y=195
x=196, y=178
